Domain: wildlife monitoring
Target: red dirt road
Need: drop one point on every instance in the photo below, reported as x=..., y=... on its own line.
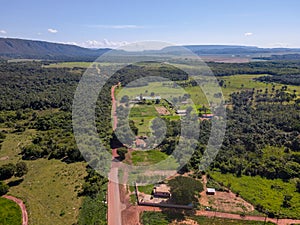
x=22, y=206
x=224, y=215
x=253, y=218
x=115, y=207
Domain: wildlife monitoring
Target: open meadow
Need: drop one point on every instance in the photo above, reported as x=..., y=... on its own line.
x=50, y=188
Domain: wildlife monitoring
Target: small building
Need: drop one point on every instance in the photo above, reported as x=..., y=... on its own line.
x=211, y=191
x=161, y=191
x=185, y=102
x=181, y=112
x=207, y=116
x=134, y=101
x=153, y=98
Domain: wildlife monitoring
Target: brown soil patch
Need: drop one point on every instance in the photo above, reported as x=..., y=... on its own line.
x=229, y=202
x=130, y=216
x=224, y=201
x=204, y=199
x=4, y=158
x=162, y=110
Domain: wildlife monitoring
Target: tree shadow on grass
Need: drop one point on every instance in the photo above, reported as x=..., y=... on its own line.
x=15, y=182
x=177, y=214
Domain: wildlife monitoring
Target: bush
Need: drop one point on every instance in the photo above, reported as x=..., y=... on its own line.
x=7, y=171
x=3, y=188
x=122, y=152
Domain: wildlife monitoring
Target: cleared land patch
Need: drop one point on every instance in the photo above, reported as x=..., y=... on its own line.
x=162, y=110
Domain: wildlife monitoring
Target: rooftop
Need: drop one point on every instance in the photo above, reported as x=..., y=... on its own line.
x=211, y=190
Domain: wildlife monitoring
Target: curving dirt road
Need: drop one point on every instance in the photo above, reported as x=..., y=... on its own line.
x=22, y=206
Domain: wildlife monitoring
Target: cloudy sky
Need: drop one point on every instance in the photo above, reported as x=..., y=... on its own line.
x=111, y=23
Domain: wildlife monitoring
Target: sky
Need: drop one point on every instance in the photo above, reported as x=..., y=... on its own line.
x=111, y=23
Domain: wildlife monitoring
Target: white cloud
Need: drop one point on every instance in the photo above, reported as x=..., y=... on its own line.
x=103, y=44
x=53, y=31
x=126, y=26
x=3, y=32
x=70, y=43
x=248, y=34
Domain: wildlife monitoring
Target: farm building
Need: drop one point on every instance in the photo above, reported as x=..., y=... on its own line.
x=140, y=98
x=181, y=112
x=134, y=101
x=211, y=191
x=207, y=116
x=161, y=191
x=185, y=102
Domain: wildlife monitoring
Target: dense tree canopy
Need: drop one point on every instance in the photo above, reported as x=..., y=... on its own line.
x=184, y=190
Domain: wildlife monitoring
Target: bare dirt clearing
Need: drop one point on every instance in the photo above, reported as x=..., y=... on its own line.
x=162, y=110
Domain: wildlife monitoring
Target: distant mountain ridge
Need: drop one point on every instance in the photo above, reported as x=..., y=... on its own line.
x=19, y=48
x=12, y=48
x=231, y=50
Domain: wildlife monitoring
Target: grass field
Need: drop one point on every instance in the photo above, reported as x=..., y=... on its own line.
x=143, y=111
x=156, y=87
x=268, y=193
x=69, y=65
x=155, y=165
x=10, y=213
x=50, y=190
x=77, y=64
x=146, y=189
x=142, y=115
x=142, y=158
x=159, y=218
x=11, y=147
x=234, y=83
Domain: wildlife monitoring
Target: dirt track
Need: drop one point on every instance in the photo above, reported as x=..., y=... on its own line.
x=115, y=206
x=22, y=206
x=225, y=215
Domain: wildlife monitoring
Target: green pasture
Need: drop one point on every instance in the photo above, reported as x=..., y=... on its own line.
x=10, y=212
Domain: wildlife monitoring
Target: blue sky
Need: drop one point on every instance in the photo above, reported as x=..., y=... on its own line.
x=97, y=23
